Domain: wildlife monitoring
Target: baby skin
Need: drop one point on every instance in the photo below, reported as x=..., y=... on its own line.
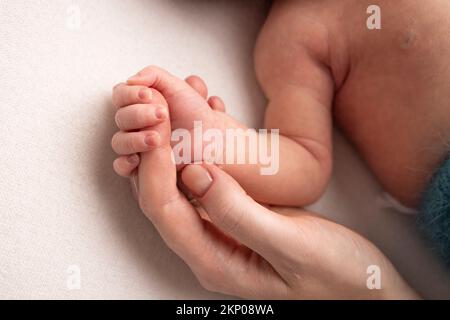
x=319, y=64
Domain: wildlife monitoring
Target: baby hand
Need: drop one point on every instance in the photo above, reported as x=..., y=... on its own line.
x=186, y=99
x=139, y=109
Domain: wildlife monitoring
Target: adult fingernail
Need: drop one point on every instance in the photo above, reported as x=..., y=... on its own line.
x=197, y=179
x=152, y=139
x=145, y=94
x=160, y=113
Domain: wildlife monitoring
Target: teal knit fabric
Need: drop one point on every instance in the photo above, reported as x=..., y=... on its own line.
x=434, y=219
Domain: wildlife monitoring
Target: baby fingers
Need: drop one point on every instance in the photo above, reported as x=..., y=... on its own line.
x=126, y=143
x=125, y=165
x=140, y=116
x=124, y=95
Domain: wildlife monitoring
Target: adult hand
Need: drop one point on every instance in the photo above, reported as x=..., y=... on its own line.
x=238, y=247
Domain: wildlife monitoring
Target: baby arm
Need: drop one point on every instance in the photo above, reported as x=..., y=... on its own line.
x=292, y=66
x=304, y=148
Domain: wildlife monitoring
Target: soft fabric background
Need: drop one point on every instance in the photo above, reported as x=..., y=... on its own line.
x=61, y=205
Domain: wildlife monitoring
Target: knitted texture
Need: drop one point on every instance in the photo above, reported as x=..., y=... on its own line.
x=434, y=220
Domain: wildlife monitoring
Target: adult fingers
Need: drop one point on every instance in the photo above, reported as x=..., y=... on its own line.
x=173, y=215
x=230, y=209
x=219, y=263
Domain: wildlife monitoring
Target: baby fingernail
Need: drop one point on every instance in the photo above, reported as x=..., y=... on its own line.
x=145, y=94
x=160, y=113
x=133, y=159
x=197, y=179
x=152, y=140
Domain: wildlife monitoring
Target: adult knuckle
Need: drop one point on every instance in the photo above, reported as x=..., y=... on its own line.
x=230, y=216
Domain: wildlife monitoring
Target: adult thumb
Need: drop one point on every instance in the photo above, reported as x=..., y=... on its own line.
x=229, y=207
